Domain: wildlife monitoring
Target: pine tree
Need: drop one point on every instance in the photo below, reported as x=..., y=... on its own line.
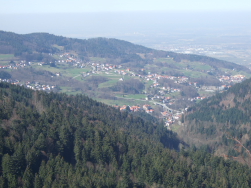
x=28, y=178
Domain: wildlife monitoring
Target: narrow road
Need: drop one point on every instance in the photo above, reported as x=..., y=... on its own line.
x=164, y=106
x=76, y=76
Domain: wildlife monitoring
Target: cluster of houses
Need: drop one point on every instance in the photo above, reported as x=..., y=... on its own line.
x=31, y=85
x=231, y=79
x=103, y=66
x=20, y=64
x=38, y=86
x=215, y=88
x=196, y=98
x=155, y=77
x=65, y=58
x=71, y=60
x=68, y=57
x=169, y=117
x=15, y=82
x=147, y=108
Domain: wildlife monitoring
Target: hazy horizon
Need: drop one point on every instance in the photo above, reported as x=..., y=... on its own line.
x=123, y=24
x=166, y=30
x=137, y=21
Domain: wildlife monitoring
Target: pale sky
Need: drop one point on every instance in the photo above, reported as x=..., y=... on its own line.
x=81, y=6
x=122, y=18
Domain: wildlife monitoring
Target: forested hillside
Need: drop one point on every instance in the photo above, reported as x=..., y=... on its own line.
x=222, y=121
x=38, y=46
x=55, y=140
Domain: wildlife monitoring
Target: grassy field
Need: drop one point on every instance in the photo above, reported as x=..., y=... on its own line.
x=149, y=83
x=199, y=66
x=6, y=70
x=234, y=72
x=110, y=75
x=69, y=72
x=173, y=95
x=121, y=102
x=193, y=74
x=72, y=72
x=69, y=91
x=48, y=68
x=180, y=65
x=112, y=79
x=2, y=63
x=109, y=83
x=131, y=96
x=6, y=56
x=176, y=128
x=58, y=47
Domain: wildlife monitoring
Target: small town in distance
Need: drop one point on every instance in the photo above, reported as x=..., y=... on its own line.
x=156, y=98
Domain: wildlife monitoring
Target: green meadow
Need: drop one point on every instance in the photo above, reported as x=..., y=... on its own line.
x=6, y=56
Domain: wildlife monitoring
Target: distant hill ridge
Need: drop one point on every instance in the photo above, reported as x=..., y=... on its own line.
x=118, y=50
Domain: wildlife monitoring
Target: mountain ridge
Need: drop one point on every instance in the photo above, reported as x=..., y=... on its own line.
x=121, y=50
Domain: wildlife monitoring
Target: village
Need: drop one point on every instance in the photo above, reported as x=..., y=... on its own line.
x=164, y=96
x=31, y=85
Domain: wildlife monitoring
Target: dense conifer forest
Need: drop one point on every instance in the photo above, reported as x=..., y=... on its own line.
x=222, y=122
x=55, y=140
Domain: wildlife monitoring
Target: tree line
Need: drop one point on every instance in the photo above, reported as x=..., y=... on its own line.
x=56, y=140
